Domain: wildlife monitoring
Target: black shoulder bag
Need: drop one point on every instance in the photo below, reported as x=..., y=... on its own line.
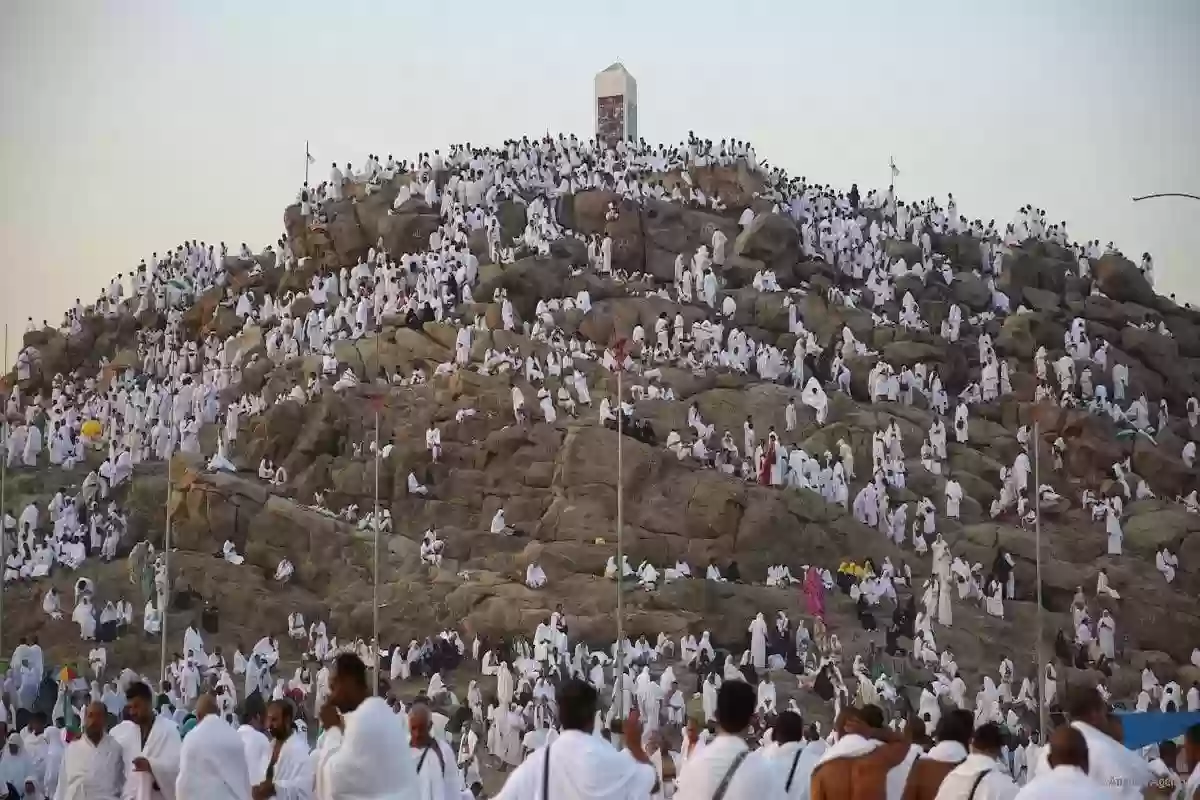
x=724, y=786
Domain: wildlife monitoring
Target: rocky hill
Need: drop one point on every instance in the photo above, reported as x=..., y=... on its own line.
x=558, y=483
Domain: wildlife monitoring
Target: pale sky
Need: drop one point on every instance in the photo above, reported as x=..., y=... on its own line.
x=129, y=126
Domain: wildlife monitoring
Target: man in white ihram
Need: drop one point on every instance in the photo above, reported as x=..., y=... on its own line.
x=363, y=753
x=579, y=766
x=1120, y=772
x=980, y=776
x=212, y=760
x=93, y=767
x=150, y=748
x=1067, y=775
x=285, y=770
x=726, y=769
x=438, y=777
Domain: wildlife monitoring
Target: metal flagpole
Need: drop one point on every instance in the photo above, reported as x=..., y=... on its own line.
x=307, y=161
x=893, y=173
x=620, y=539
x=1166, y=194
x=3, y=496
x=1037, y=538
x=375, y=580
x=165, y=598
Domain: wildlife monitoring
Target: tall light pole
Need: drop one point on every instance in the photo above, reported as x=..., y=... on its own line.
x=1037, y=539
x=620, y=656
x=375, y=567
x=1165, y=194
x=165, y=598
x=375, y=578
x=3, y=516
x=4, y=493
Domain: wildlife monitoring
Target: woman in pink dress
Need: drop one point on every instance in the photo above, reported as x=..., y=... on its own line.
x=814, y=593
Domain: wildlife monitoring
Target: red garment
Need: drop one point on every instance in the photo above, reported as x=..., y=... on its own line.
x=814, y=593
x=768, y=461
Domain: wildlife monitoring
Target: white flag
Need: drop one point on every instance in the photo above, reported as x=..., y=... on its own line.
x=895, y=169
x=312, y=160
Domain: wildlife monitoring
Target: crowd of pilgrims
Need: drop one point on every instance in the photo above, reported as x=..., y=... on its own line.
x=240, y=727
x=158, y=405
x=71, y=528
x=161, y=406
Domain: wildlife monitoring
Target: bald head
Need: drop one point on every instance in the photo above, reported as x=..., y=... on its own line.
x=95, y=721
x=420, y=720
x=1068, y=748
x=205, y=705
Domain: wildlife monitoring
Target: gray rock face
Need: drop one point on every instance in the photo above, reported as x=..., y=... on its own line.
x=971, y=292
x=1122, y=281
x=558, y=483
x=770, y=239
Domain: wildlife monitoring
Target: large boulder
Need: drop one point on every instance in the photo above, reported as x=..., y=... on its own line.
x=1016, y=337
x=512, y=216
x=613, y=319
x=1164, y=468
x=345, y=234
x=525, y=282
x=971, y=291
x=737, y=185
x=1098, y=308
x=962, y=251
x=1026, y=267
x=1189, y=554
x=1120, y=279
x=1159, y=354
x=1149, y=531
x=909, y=354
x=771, y=239
x=671, y=229
x=590, y=215
x=1040, y=299
x=406, y=231
x=371, y=211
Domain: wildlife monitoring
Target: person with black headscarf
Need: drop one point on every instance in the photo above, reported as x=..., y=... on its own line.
x=1062, y=649
x=1002, y=570
x=892, y=646
x=905, y=618
x=863, y=611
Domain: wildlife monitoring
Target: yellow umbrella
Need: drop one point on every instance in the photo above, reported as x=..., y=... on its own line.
x=92, y=429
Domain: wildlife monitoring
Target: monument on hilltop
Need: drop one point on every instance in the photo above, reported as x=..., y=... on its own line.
x=616, y=104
